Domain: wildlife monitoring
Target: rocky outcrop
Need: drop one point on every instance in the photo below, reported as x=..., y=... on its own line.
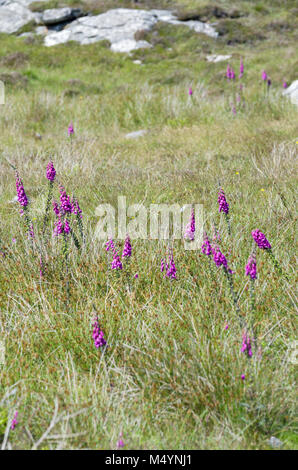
x=119, y=26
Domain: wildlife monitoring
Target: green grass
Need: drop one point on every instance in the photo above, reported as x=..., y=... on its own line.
x=170, y=378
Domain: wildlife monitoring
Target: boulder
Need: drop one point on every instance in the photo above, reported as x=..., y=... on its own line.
x=13, y=16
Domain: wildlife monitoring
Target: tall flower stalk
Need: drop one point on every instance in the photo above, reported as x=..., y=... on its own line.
x=206, y=249
x=23, y=201
x=190, y=228
x=264, y=244
x=50, y=174
x=77, y=211
x=251, y=271
x=116, y=261
x=97, y=334
x=126, y=255
x=169, y=268
x=221, y=261
x=223, y=206
x=62, y=227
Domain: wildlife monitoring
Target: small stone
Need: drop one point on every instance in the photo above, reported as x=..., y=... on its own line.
x=41, y=30
x=275, y=443
x=136, y=134
x=217, y=58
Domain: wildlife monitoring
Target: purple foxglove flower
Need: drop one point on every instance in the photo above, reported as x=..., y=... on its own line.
x=116, y=263
x=70, y=129
x=22, y=197
x=260, y=240
x=222, y=202
x=190, y=229
x=219, y=258
x=51, y=172
x=242, y=377
x=190, y=92
x=98, y=335
x=56, y=208
x=75, y=208
x=110, y=245
x=65, y=203
x=31, y=231
x=251, y=267
x=66, y=227
x=228, y=73
x=232, y=74
x=58, y=229
x=246, y=345
x=14, y=421
x=234, y=110
x=264, y=76
x=206, y=246
x=120, y=442
x=284, y=84
x=127, y=248
x=162, y=265
x=226, y=326
x=269, y=82
x=171, y=268
x=136, y=276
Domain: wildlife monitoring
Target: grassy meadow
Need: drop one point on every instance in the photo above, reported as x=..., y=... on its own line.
x=170, y=377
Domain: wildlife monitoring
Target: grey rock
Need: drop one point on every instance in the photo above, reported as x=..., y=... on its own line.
x=275, y=443
x=13, y=16
x=292, y=92
x=26, y=35
x=41, y=30
x=59, y=15
x=217, y=58
x=119, y=26
x=136, y=134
